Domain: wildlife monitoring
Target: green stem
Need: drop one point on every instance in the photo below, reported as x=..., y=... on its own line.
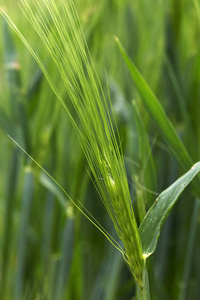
x=143, y=290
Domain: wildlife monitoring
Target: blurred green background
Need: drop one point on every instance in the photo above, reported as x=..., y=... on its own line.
x=48, y=249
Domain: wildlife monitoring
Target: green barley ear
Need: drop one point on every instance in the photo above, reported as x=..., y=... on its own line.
x=58, y=26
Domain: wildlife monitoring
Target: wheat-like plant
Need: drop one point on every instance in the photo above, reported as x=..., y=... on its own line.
x=58, y=26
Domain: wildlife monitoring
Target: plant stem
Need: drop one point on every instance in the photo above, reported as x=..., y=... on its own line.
x=143, y=289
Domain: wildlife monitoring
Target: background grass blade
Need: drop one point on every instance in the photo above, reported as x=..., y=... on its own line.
x=157, y=113
x=17, y=98
x=150, y=228
x=65, y=262
x=5, y=123
x=189, y=251
x=47, y=232
x=12, y=182
x=27, y=198
x=115, y=268
x=146, y=175
x=159, y=117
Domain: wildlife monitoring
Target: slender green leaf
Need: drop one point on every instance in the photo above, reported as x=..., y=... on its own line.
x=67, y=250
x=5, y=123
x=157, y=113
x=27, y=197
x=13, y=73
x=47, y=232
x=159, y=116
x=155, y=217
x=189, y=251
x=115, y=266
x=146, y=176
x=12, y=182
x=46, y=181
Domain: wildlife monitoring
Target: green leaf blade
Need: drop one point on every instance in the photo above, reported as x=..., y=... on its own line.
x=151, y=226
x=157, y=112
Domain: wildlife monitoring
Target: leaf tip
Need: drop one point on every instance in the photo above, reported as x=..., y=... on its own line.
x=2, y=10
x=116, y=39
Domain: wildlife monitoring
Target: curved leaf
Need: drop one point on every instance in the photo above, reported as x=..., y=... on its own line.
x=151, y=225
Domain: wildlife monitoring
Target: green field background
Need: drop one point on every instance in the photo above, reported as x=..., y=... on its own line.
x=48, y=249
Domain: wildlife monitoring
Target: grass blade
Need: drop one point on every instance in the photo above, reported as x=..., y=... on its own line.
x=22, y=246
x=157, y=214
x=12, y=183
x=189, y=251
x=5, y=123
x=17, y=98
x=146, y=176
x=65, y=262
x=157, y=113
x=47, y=232
x=159, y=117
